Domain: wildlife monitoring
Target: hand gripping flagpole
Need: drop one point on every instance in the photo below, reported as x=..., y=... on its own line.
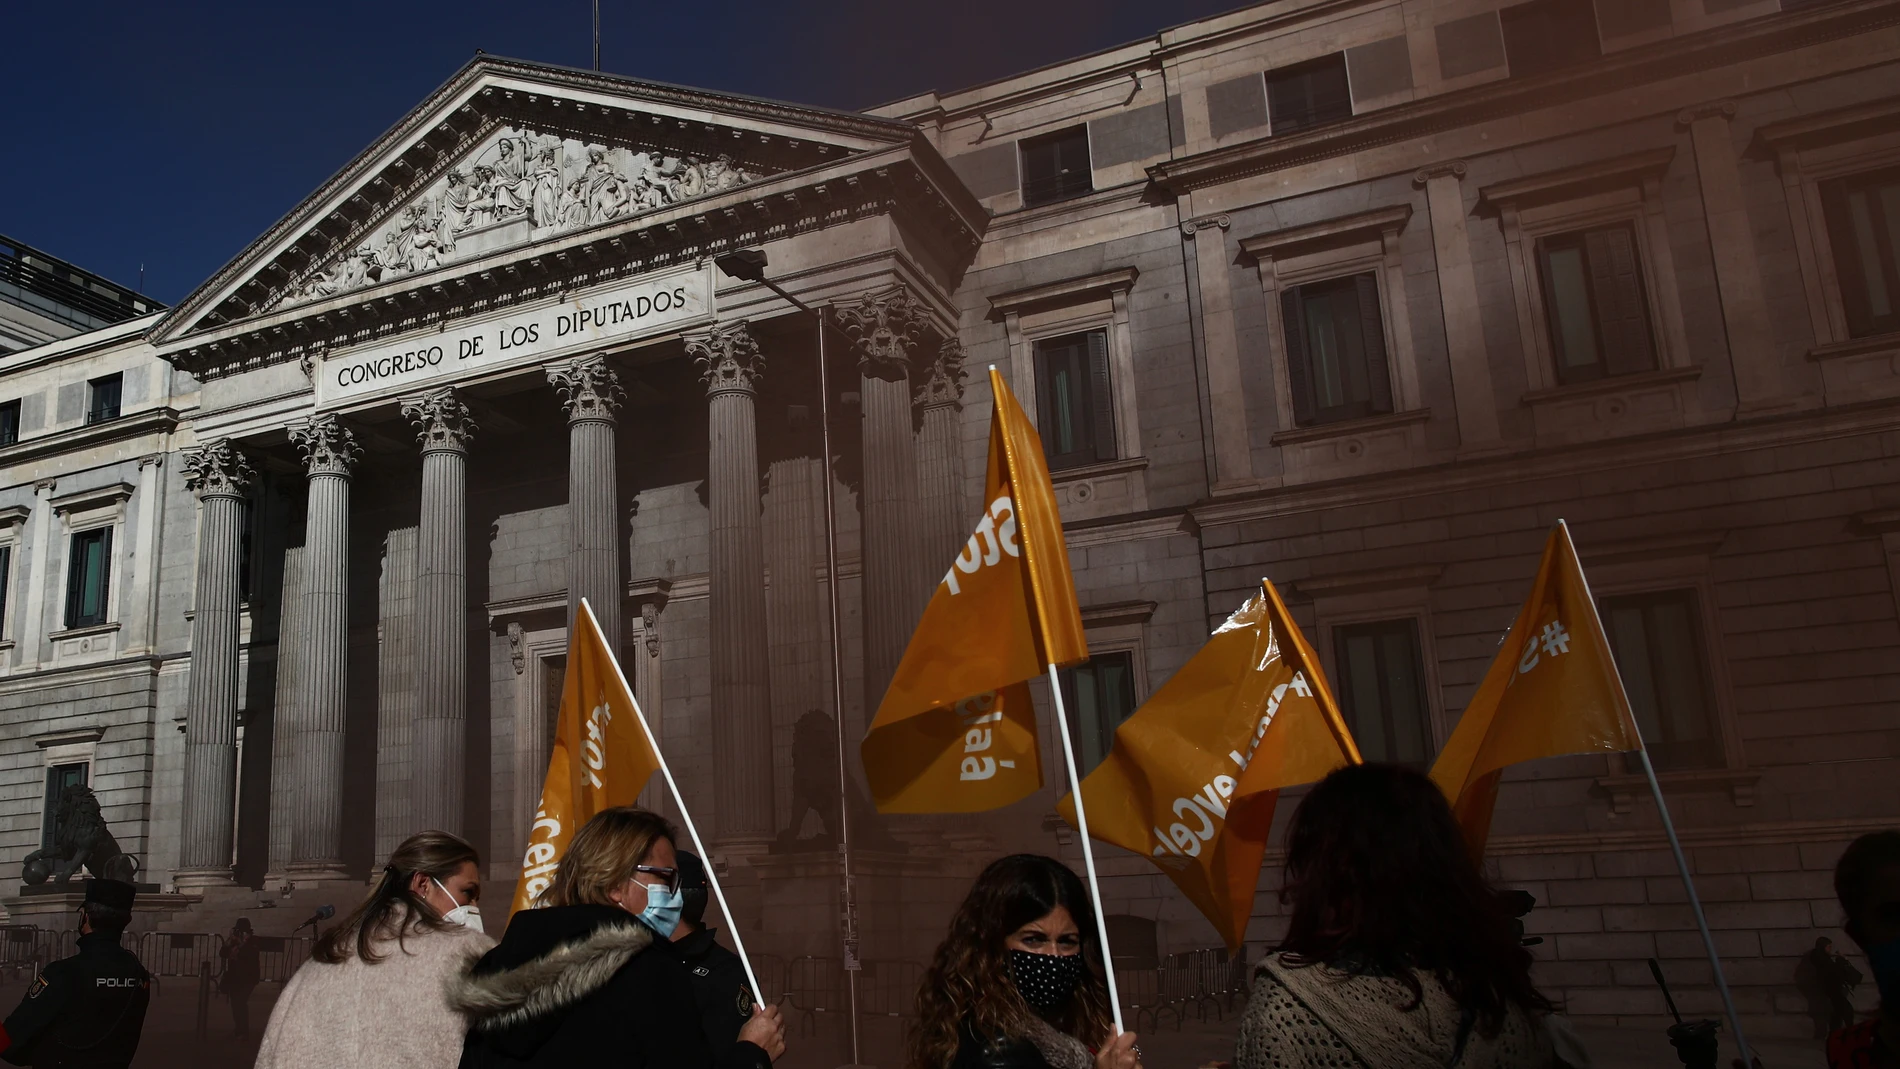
x=1669, y=829
x=1088, y=852
x=686, y=818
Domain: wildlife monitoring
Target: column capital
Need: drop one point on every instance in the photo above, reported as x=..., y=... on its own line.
x=1448, y=169
x=217, y=469
x=728, y=358
x=885, y=328
x=1206, y=222
x=1714, y=109
x=945, y=383
x=590, y=390
x=442, y=421
x=327, y=445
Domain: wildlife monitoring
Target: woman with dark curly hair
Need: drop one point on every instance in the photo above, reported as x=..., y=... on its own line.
x=1397, y=952
x=1018, y=983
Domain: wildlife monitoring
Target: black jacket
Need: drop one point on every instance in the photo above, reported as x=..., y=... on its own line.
x=585, y=985
x=86, y=1010
x=1046, y=1049
x=719, y=987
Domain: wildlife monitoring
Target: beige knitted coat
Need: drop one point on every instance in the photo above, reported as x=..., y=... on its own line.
x=393, y=1014
x=1309, y=1017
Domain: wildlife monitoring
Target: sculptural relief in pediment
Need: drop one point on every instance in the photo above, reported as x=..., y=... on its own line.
x=517, y=187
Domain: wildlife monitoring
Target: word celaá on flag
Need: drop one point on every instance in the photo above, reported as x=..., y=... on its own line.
x=1551, y=690
x=602, y=755
x=956, y=732
x=1194, y=774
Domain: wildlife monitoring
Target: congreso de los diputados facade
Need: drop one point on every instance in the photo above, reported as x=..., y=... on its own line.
x=1356, y=295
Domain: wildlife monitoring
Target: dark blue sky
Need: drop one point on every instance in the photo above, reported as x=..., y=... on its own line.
x=170, y=135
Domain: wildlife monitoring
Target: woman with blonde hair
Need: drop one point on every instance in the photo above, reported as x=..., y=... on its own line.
x=373, y=992
x=590, y=978
x=1018, y=982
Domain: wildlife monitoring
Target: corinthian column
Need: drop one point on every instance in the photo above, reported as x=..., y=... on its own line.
x=730, y=365
x=591, y=391
x=316, y=835
x=885, y=329
x=220, y=476
x=939, y=467
x=444, y=428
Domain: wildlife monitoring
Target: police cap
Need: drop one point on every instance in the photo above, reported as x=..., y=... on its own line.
x=113, y=894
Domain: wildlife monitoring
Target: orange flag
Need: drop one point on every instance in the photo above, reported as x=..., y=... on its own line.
x=1194, y=775
x=1551, y=690
x=602, y=755
x=956, y=732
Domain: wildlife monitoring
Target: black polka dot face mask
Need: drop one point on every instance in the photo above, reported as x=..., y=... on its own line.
x=1046, y=981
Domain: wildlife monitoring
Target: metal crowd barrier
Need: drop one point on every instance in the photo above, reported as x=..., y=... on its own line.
x=889, y=988
x=1196, y=980
x=812, y=987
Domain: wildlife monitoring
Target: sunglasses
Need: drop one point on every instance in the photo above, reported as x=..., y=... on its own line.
x=669, y=877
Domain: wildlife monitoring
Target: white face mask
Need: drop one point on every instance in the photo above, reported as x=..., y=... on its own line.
x=469, y=916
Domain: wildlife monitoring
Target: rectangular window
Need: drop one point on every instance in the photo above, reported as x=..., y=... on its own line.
x=1335, y=348
x=1549, y=35
x=1056, y=167
x=1863, y=219
x=1308, y=94
x=58, y=778
x=1382, y=690
x=1100, y=694
x=1595, y=304
x=6, y=585
x=1659, y=654
x=88, y=570
x=9, y=423
x=102, y=402
x=1074, y=402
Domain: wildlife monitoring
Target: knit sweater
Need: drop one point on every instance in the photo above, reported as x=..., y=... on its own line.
x=393, y=1014
x=1309, y=1017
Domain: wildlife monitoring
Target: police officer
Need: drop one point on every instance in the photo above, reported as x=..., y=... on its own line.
x=85, y=1010
x=718, y=979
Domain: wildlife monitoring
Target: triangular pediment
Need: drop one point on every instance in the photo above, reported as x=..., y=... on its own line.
x=511, y=155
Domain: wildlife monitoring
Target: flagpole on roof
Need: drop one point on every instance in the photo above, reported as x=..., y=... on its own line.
x=596, y=34
x=1675, y=843
x=686, y=818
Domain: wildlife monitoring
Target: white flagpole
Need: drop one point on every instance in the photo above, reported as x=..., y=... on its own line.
x=1088, y=852
x=1669, y=829
x=686, y=818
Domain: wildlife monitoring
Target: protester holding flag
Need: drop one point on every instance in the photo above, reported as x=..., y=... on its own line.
x=1019, y=983
x=371, y=994
x=1397, y=953
x=590, y=978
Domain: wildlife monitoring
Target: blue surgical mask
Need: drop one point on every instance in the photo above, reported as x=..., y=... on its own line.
x=663, y=910
x=1884, y=958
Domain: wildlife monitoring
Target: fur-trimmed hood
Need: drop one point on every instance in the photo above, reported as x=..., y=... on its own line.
x=548, y=960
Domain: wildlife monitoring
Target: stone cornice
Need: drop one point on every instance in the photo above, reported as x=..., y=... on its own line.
x=1823, y=127
x=134, y=425
x=1120, y=279
x=1632, y=169
x=1374, y=222
x=1621, y=71
x=1533, y=465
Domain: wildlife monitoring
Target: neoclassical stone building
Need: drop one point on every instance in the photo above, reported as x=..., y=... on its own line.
x=1358, y=296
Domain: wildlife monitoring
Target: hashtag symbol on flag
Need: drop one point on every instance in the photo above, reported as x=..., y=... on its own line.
x=1556, y=640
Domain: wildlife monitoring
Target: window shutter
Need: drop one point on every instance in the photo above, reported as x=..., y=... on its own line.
x=1101, y=397
x=1293, y=327
x=1616, y=285
x=1372, y=329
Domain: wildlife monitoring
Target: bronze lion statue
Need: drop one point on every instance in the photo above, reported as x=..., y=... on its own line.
x=80, y=838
